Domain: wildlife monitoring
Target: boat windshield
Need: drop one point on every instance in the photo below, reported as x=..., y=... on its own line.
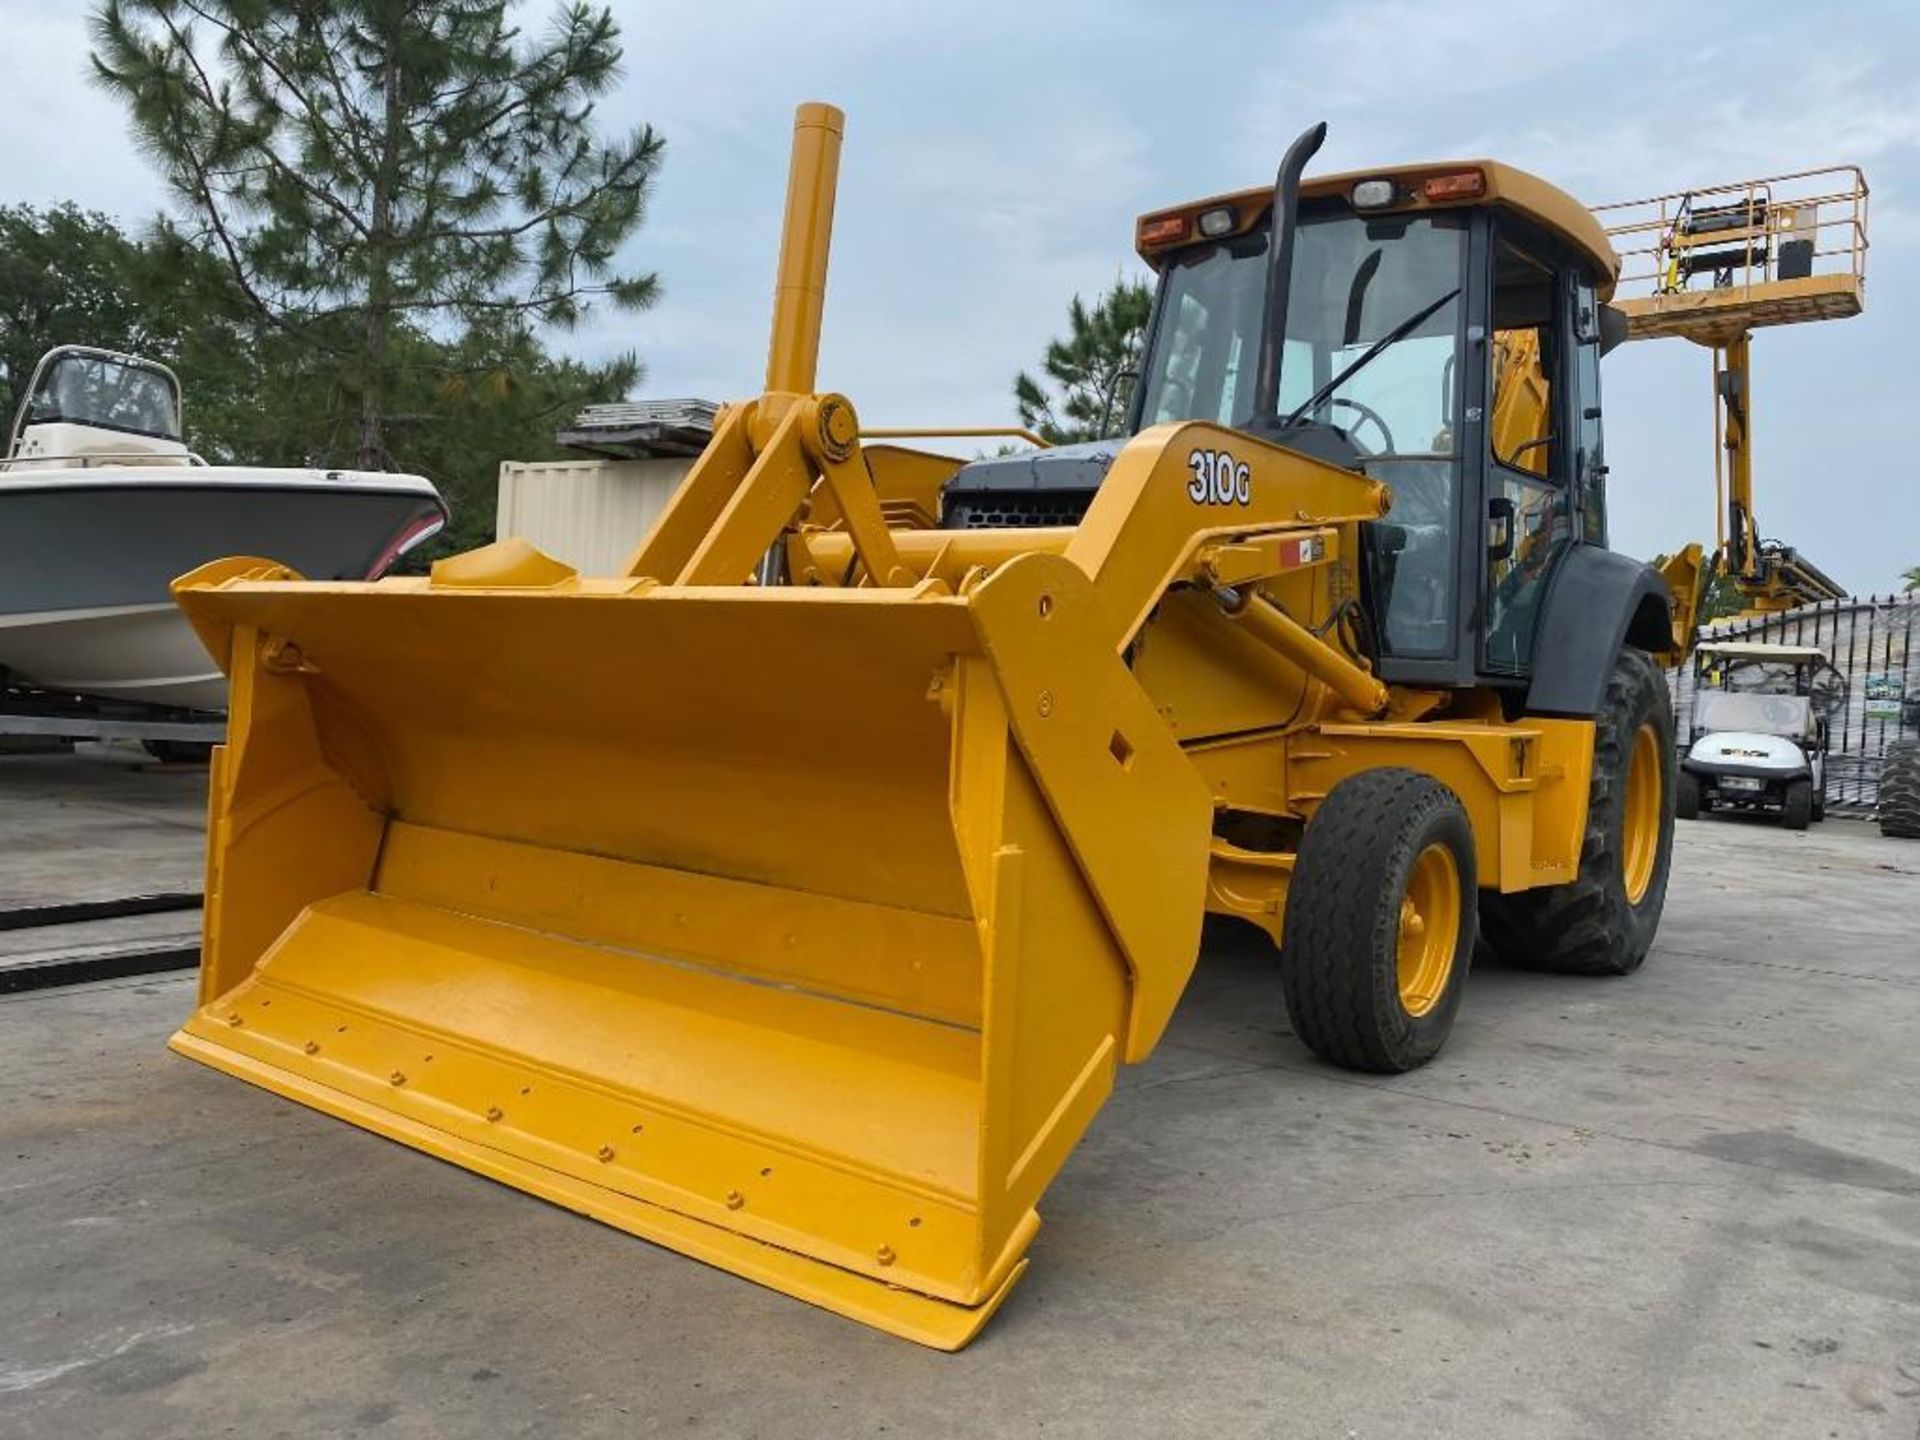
x=110, y=391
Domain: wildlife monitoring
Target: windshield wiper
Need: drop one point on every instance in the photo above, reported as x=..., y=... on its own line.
x=1399, y=332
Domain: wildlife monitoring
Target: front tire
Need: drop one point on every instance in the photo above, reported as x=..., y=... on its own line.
x=1602, y=922
x=1686, y=797
x=1796, y=805
x=1380, y=922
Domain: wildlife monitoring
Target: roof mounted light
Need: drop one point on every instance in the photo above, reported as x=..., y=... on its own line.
x=1163, y=229
x=1461, y=185
x=1372, y=194
x=1216, y=222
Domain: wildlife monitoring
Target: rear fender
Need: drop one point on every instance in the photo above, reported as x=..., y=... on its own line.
x=1599, y=602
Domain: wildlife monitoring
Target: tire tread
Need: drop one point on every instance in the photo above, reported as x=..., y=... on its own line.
x=1585, y=926
x=1366, y=829
x=1900, y=791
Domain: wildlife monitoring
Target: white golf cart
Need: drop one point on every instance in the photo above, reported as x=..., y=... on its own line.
x=1759, y=734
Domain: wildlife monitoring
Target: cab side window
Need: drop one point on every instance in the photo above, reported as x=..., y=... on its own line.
x=1521, y=423
x=1528, y=510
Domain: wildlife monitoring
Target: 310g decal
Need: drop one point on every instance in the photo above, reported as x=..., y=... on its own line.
x=1218, y=479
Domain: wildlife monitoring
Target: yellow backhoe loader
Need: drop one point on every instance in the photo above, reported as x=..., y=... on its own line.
x=792, y=898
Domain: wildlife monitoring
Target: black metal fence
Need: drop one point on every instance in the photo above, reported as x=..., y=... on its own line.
x=1869, y=640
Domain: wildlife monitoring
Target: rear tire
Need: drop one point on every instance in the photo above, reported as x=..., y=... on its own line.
x=1602, y=922
x=1686, y=797
x=1900, y=790
x=1380, y=922
x=1796, y=806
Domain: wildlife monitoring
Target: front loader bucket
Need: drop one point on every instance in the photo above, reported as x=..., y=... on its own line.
x=798, y=930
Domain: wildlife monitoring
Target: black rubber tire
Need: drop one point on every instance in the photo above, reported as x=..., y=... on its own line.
x=1796, y=805
x=1686, y=797
x=1589, y=926
x=1900, y=790
x=1338, y=956
x=1820, y=801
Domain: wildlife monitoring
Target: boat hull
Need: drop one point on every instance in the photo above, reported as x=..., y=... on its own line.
x=142, y=653
x=87, y=559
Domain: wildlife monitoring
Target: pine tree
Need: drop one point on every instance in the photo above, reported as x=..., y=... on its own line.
x=373, y=167
x=255, y=394
x=73, y=277
x=1093, y=368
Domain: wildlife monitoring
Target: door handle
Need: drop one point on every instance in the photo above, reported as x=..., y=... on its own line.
x=1501, y=513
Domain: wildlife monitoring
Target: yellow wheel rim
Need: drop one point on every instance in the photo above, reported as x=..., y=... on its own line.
x=1429, y=929
x=1640, y=818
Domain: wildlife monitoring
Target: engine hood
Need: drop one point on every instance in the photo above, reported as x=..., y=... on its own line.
x=1033, y=487
x=1064, y=467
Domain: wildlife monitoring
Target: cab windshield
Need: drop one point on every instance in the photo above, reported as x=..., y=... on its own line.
x=1357, y=281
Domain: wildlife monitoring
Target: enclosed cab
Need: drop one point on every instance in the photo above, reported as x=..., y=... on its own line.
x=1443, y=330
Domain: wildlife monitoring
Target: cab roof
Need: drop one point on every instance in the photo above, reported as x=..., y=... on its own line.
x=1502, y=186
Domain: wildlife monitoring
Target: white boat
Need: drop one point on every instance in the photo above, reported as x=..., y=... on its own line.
x=102, y=506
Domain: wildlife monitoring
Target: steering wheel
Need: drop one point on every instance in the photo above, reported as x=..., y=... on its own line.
x=1778, y=712
x=1367, y=414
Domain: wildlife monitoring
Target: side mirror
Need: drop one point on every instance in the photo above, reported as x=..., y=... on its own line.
x=1613, y=328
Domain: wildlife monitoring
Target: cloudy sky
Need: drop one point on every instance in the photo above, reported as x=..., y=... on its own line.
x=997, y=154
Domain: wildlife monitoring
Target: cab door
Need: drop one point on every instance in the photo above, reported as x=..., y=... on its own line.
x=1529, y=516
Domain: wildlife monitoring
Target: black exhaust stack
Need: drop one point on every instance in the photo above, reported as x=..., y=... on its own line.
x=1286, y=206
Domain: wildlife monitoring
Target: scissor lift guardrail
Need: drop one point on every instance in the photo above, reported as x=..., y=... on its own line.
x=1710, y=264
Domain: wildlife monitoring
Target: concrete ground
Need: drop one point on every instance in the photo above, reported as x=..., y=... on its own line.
x=100, y=823
x=1685, y=1204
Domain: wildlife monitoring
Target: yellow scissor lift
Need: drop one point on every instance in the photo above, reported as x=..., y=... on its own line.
x=1712, y=266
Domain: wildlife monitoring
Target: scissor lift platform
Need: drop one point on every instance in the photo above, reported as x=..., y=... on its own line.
x=1713, y=317
x=1711, y=265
